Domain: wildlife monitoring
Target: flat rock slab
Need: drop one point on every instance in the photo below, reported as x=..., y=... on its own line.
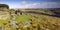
x=4, y=15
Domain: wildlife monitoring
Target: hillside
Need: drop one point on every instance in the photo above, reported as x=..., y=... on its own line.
x=32, y=19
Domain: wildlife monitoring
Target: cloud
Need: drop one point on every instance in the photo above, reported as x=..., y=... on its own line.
x=25, y=4
x=28, y=5
x=31, y=4
x=50, y=5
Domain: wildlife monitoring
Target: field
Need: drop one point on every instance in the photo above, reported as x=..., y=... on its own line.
x=31, y=21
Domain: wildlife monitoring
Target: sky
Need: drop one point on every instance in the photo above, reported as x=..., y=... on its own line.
x=32, y=3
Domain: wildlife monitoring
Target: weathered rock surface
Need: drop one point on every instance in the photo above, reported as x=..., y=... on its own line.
x=4, y=15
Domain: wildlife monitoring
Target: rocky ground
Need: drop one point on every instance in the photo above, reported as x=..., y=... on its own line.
x=30, y=21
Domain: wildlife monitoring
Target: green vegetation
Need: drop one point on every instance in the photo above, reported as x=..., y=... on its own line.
x=22, y=18
x=37, y=20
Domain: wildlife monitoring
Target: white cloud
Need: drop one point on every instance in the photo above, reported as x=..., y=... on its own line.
x=50, y=5
x=28, y=5
x=25, y=4
x=40, y=5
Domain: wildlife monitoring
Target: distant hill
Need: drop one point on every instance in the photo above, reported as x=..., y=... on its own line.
x=46, y=11
x=56, y=11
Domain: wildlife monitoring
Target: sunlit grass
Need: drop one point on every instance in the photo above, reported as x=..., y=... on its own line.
x=3, y=21
x=44, y=20
x=22, y=18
